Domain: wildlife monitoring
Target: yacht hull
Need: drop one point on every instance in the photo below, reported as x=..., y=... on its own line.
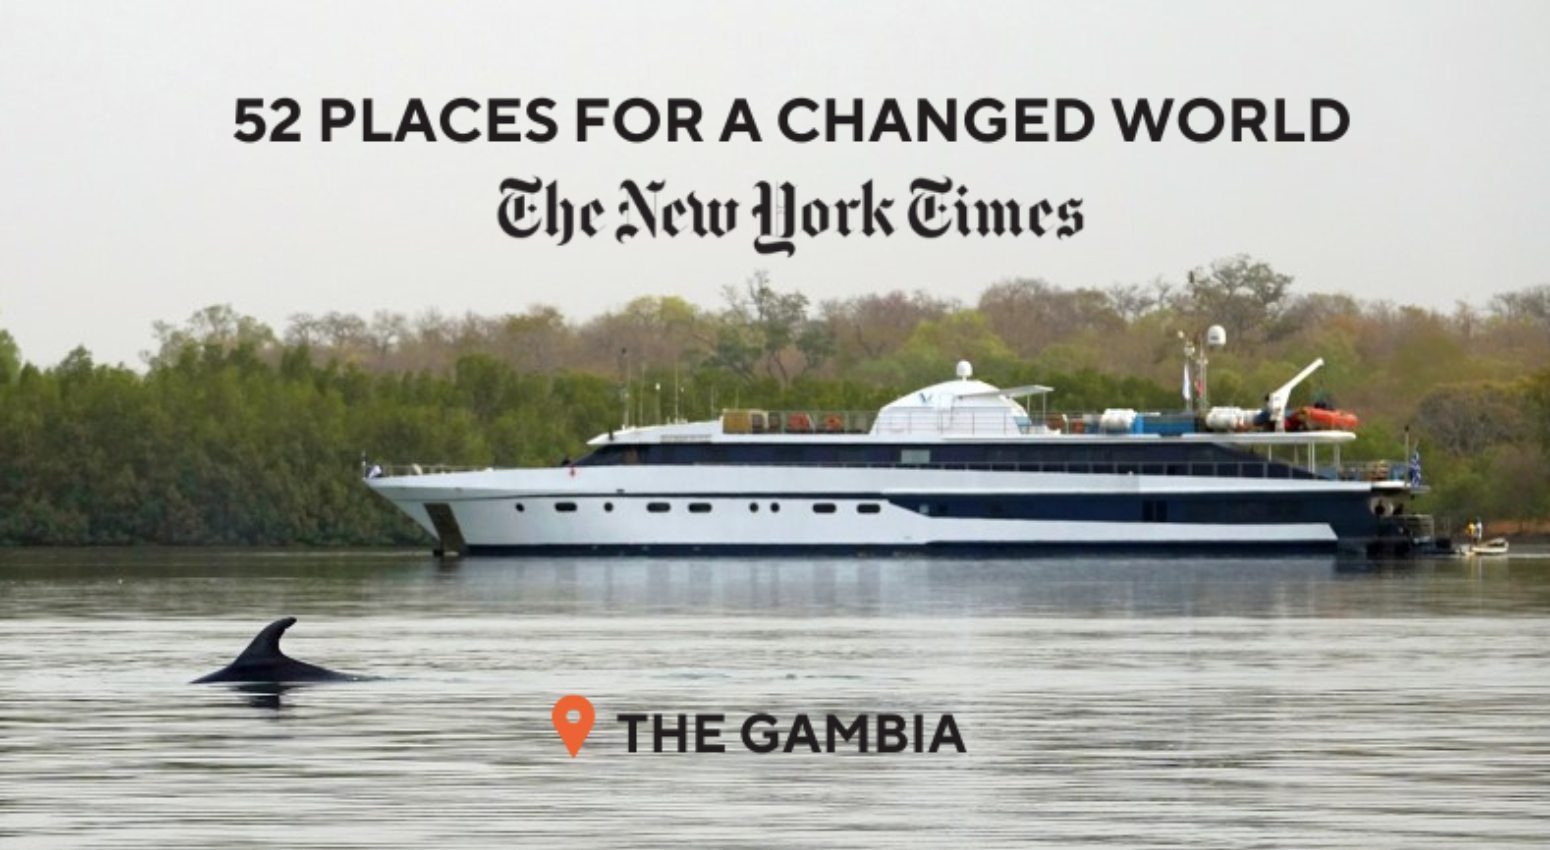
x=772, y=510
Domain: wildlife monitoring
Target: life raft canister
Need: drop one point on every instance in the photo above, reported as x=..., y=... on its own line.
x=1321, y=419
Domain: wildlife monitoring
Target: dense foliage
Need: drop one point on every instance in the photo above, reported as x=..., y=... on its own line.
x=236, y=434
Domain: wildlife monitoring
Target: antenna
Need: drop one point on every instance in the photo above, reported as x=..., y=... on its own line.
x=1196, y=355
x=624, y=390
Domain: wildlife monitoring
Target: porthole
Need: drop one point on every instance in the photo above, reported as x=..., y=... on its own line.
x=608, y=506
x=565, y=507
x=823, y=507
x=868, y=508
x=753, y=507
x=520, y=508
x=658, y=507
x=774, y=507
x=699, y=507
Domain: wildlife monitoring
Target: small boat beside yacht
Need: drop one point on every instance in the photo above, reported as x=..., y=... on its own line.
x=1488, y=548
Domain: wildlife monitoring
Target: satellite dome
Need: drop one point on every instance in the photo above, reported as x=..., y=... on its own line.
x=964, y=370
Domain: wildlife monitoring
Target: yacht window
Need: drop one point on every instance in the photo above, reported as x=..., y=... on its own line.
x=699, y=507
x=868, y=508
x=916, y=457
x=565, y=507
x=823, y=508
x=658, y=507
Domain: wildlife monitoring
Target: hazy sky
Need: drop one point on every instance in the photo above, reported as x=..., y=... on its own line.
x=124, y=198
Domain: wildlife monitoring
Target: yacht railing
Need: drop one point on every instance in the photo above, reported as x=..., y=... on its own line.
x=1246, y=469
x=810, y=421
x=958, y=421
x=1371, y=471
x=900, y=422
x=391, y=470
x=1203, y=469
x=971, y=422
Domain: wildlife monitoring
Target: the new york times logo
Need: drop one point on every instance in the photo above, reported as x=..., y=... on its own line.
x=765, y=733
x=936, y=208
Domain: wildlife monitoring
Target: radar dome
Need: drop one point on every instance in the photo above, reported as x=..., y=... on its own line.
x=1216, y=336
x=965, y=371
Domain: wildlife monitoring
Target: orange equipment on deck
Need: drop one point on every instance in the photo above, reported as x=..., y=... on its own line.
x=1321, y=419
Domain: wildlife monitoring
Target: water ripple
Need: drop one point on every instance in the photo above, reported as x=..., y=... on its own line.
x=1296, y=703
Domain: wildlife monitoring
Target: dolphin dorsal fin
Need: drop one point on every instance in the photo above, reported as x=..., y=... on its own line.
x=266, y=644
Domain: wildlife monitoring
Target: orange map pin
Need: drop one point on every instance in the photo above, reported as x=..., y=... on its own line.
x=573, y=732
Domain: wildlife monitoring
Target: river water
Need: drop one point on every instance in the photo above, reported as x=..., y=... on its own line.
x=1110, y=702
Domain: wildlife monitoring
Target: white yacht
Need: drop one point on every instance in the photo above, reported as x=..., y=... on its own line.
x=960, y=466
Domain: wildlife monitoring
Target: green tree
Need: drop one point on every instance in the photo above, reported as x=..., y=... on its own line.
x=767, y=331
x=10, y=357
x=233, y=436
x=1244, y=295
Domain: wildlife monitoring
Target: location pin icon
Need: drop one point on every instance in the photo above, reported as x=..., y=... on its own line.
x=573, y=732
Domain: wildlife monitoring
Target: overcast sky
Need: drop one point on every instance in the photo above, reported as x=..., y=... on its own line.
x=124, y=198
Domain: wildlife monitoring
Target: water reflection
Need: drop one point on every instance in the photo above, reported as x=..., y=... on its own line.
x=1111, y=702
x=266, y=695
x=203, y=584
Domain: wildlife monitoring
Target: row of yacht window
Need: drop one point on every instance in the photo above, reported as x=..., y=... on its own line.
x=705, y=507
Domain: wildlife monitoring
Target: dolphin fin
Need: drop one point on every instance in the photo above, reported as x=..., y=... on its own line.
x=263, y=661
x=266, y=644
